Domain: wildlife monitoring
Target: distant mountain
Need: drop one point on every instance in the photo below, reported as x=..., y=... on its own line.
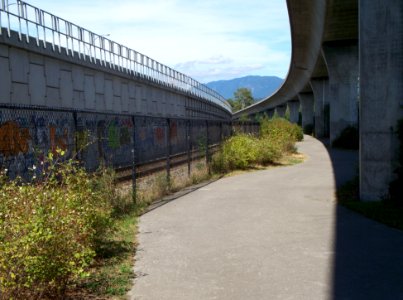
x=261, y=86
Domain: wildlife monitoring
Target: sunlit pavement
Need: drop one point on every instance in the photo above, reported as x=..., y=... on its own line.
x=273, y=234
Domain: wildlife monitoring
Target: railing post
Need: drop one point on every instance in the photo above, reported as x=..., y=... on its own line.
x=134, y=177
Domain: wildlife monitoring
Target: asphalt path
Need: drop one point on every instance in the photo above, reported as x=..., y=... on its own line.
x=269, y=234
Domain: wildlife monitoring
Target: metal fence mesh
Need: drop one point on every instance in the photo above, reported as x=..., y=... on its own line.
x=28, y=135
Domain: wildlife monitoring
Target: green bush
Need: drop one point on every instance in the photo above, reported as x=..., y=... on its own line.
x=280, y=129
x=49, y=230
x=269, y=151
x=238, y=152
x=277, y=137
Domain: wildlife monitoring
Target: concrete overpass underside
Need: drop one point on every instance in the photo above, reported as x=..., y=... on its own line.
x=345, y=71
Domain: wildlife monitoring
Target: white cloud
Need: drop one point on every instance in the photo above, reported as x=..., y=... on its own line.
x=207, y=39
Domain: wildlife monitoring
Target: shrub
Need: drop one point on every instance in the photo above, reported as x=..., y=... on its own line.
x=348, y=139
x=280, y=129
x=277, y=137
x=49, y=230
x=238, y=152
x=269, y=151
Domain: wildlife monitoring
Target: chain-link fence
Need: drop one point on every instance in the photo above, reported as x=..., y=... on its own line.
x=123, y=142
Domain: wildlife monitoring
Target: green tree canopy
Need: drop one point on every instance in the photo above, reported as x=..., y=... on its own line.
x=242, y=98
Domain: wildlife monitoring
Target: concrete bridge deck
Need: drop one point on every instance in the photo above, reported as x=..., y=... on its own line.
x=273, y=234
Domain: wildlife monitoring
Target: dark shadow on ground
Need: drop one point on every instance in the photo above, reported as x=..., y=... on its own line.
x=368, y=258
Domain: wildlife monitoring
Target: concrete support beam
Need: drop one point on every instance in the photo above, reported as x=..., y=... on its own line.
x=320, y=88
x=280, y=110
x=381, y=90
x=306, y=100
x=293, y=107
x=342, y=64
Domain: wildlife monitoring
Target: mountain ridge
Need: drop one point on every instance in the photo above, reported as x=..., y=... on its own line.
x=260, y=86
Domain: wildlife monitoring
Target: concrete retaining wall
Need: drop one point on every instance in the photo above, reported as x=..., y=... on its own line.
x=36, y=76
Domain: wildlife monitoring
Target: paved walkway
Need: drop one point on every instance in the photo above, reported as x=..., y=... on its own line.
x=273, y=234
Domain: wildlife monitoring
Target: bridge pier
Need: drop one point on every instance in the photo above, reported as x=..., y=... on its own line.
x=280, y=110
x=342, y=65
x=270, y=113
x=306, y=100
x=381, y=90
x=293, y=106
x=321, y=106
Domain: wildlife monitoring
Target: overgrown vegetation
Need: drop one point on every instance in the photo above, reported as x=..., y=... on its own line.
x=348, y=139
x=50, y=230
x=72, y=234
x=277, y=137
x=111, y=273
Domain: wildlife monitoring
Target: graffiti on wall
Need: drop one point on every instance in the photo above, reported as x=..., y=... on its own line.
x=173, y=132
x=119, y=132
x=113, y=136
x=58, y=140
x=27, y=136
x=159, y=136
x=13, y=139
x=105, y=139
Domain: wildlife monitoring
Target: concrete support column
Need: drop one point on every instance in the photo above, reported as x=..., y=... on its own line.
x=342, y=64
x=280, y=110
x=381, y=90
x=270, y=113
x=293, y=107
x=306, y=100
x=321, y=106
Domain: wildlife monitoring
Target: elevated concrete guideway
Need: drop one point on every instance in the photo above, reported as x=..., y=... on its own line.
x=312, y=23
x=345, y=72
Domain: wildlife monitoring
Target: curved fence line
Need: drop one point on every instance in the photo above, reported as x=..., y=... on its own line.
x=31, y=22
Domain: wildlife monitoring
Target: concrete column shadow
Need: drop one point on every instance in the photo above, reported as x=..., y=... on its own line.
x=368, y=256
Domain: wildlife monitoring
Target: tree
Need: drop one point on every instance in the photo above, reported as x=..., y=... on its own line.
x=242, y=98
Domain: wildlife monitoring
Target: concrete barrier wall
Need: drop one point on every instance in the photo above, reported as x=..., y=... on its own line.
x=42, y=77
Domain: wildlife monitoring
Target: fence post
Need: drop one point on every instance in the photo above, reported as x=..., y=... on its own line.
x=207, y=148
x=168, y=143
x=189, y=145
x=221, y=132
x=134, y=184
x=76, y=150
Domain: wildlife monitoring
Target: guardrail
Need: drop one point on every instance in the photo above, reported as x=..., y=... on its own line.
x=46, y=29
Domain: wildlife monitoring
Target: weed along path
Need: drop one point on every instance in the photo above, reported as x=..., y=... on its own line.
x=270, y=234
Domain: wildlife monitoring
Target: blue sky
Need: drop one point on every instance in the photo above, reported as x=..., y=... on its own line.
x=206, y=39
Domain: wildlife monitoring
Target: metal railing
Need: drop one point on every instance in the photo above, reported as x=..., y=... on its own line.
x=63, y=36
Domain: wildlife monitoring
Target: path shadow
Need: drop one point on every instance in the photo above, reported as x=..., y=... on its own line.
x=368, y=256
